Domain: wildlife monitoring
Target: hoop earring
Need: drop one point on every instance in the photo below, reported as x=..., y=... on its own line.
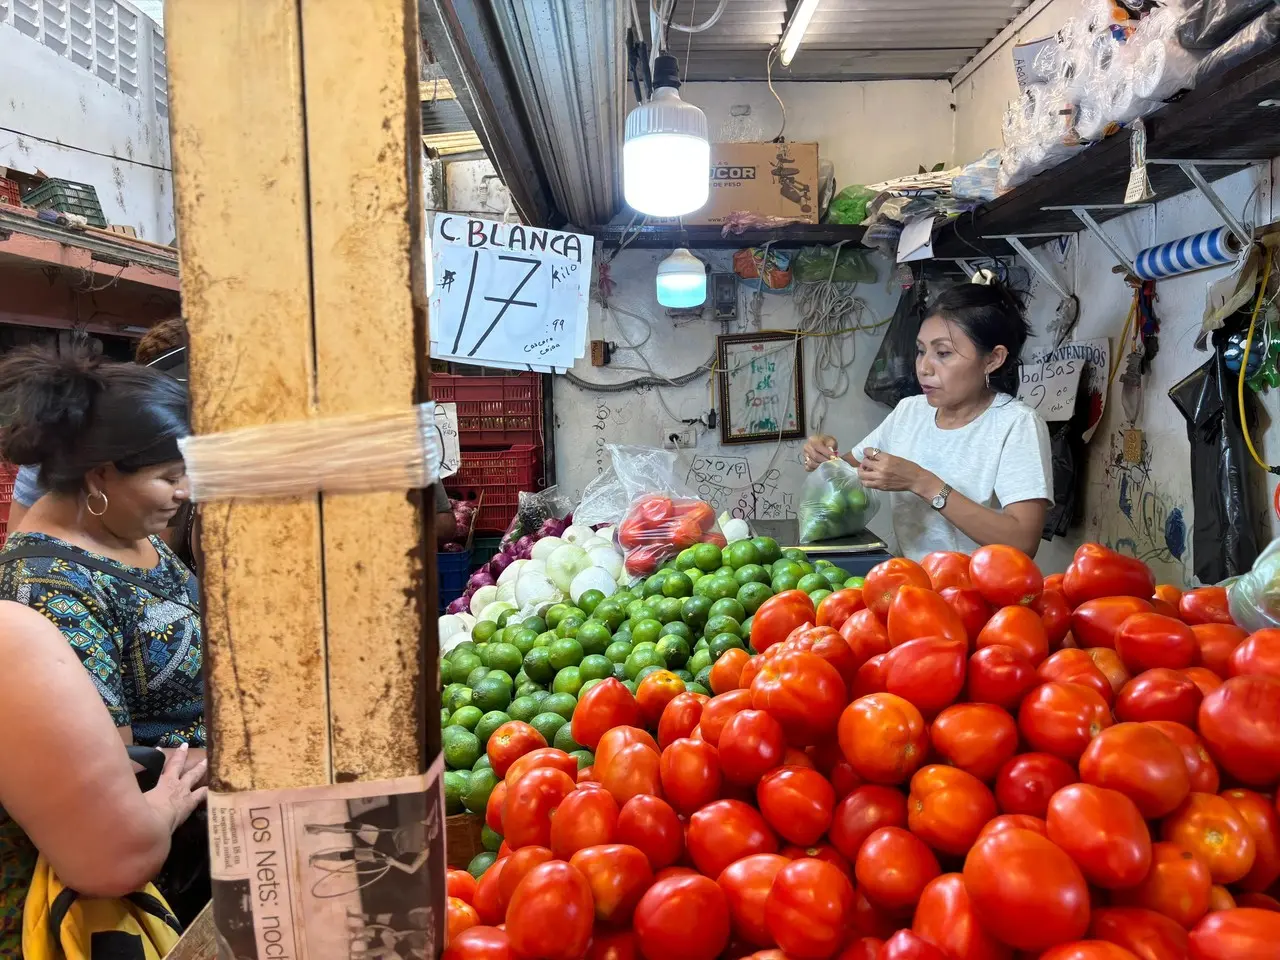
x=88, y=503
x=988, y=379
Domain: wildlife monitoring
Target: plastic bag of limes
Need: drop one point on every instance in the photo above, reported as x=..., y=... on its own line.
x=834, y=503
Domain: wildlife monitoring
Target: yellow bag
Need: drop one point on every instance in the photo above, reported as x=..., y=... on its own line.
x=59, y=924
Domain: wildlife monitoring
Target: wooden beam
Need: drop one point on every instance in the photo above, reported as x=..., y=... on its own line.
x=440, y=89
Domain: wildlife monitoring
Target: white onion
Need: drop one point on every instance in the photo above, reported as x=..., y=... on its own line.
x=512, y=572
x=507, y=592
x=534, y=588
x=565, y=564
x=455, y=640
x=577, y=534
x=592, y=578
x=495, y=609
x=606, y=534
x=734, y=530
x=482, y=598
x=607, y=556
x=467, y=619
x=545, y=547
x=448, y=625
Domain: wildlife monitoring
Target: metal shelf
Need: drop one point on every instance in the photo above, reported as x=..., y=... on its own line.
x=710, y=238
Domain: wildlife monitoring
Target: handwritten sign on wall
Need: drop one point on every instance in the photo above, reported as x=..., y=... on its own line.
x=507, y=295
x=446, y=415
x=761, y=387
x=1051, y=384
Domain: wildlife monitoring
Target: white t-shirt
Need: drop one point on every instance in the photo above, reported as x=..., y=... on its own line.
x=1002, y=457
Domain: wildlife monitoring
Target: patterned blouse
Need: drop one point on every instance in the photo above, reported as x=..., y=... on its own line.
x=143, y=653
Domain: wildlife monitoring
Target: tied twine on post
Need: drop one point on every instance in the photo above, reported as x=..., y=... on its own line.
x=361, y=453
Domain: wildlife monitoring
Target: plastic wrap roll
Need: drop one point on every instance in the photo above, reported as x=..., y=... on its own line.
x=1091, y=122
x=1162, y=68
x=1214, y=248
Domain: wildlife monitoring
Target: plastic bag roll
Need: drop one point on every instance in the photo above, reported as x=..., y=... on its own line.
x=1213, y=248
x=1162, y=68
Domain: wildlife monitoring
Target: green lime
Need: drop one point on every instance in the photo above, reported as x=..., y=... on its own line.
x=555, y=614
x=702, y=688
x=694, y=612
x=476, y=675
x=644, y=646
x=700, y=660
x=490, y=722
x=631, y=685
x=524, y=709
x=653, y=586
x=641, y=658
x=610, y=614
x=782, y=582
x=728, y=607
x=620, y=670
x=492, y=693
x=466, y=646
x=568, y=680
x=464, y=663
x=467, y=717
x=835, y=577
x=752, y=595
x=589, y=685
x=684, y=675
x=674, y=650
x=645, y=671
x=719, y=625
x=668, y=609
x=646, y=631
x=677, y=585
x=811, y=582
x=618, y=651
x=545, y=639
x=490, y=839
x=483, y=631
x=694, y=574
x=855, y=583
x=703, y=678
x=506, y=657
x=746, y=630
x=526, y=689
x=445, y=717
x=505, y=617
x=742, y=553
x=537, y=664
x=594, y=636
x=455, y=787
x=565, y=652
x=480, y=863
x=455, y=697
x=548, y=724
x=768, y=549
x=722, y=642
x=446, y=672
x=590, y=599
x=623, y=633
x=479, y=787
x=569, y=627
x=751, y=573
x=702, y=644
x=561, y=703
x=484, y=763
x=584, y=757
x=678, y=628
x=461, y=747
x=788, y=567
x=524, y=639
x=818, y=596
x=686, y=560
x=623, y=597
x=638, y=610
x=536, y=624
x=795, y=554
x=563, y=739
x=706, y=557
x=595, y=666
x=721, y=588
x=822, y=564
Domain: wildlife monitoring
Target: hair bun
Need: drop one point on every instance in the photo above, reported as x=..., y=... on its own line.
x=47, y=398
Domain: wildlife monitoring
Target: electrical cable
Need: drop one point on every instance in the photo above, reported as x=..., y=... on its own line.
x=768, y=72
x=96, y=153
x=670, y=7
x=1244, y=370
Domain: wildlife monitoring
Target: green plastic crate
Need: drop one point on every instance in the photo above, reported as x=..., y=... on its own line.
x=67, y=196
x=483, y=550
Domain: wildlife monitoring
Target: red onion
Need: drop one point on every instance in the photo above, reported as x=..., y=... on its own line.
x=458, y=606
x=499, y=563
x=524, y=547
x=482, y=578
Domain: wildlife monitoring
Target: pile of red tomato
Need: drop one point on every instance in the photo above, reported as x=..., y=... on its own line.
x=658, y=527
x=961, y=761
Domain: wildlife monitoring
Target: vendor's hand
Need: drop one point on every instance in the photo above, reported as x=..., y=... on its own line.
x=883, y=471
x=818, y=450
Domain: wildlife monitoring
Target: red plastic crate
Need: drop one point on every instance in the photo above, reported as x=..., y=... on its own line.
x=494, y=411
x=500, y=475
x=9, y=192
x=8, y=476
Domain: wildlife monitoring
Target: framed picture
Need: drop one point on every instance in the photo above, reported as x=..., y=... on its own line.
x=761, y=387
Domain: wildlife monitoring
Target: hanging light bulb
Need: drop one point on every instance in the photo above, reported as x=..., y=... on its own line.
x=666, y=156
x=682, y=280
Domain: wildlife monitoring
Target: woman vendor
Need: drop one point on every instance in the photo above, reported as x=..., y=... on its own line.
x=965, y=464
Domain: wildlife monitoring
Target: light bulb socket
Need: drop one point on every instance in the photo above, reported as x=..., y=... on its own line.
x=666, y=72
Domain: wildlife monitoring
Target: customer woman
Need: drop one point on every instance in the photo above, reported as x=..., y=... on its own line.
x=66, y=788
x=964, y=464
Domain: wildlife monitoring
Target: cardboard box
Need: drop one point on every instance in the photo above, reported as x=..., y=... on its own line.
x=768, y=179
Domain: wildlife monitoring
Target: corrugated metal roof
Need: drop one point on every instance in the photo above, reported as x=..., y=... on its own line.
x=846, y=40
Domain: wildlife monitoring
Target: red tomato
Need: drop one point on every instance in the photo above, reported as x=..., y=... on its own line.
x=460, y=884
x=606, y=705
x=550, y=914
x=866, y=636
x=751, y=744
x=797, y=802
x=970, y=607
x=511, y=741
x=1245, y=934
x=1076, y=666
x=804, y=693
x=893, y=868
x=1139, y=761
x=909, y=945
x=1014, y=821
x=1098, y=572
x=1103, y=832
x=1214, y=830
x=1025, y=783
x=831, y=647
x=1259, y=813
x=975, y=737
x=585, y=818
x=649, y=824
x=863, y=948
x=948, y=808
x=1205, y=605
x=1026, y=890
x=883, y=737
x=618, y=875
x=1017, y=627
x=613, y=945
x=1061, y=718
x=884, y=581
x=947, y=569
x=1217, y=641
x=726, y=673
x=1159, y=694
x=824, y=852
x=809, y=908
x=542, y=757
x=944, y=917
x=746, y=884
x=862, y=813
x=1096, y=622
x=690, y=771
x=1144, y=933
x=725, y=831
x=614, y=740
x=519, y=864
x=1006, y=576
x=1112, y=667
x=1240, y=723
x=1200, y=766
x=1258, y=655
x=870, y=920
x=778, y=616
x=1168, y=593
x=717, y=711
x=529, y=804
x=683, y=918
x=1000, y=675
x=488, y=900
x=1148, y=640
x=1220, y=898
x=459, y=916
x=1088, y=950
x=679, y=717
x=479, y=943
x=1206, y=680
x=919, y=612
x=1055, y=613
x=870, y=677
x=662, y=686
x=838, y=607
x=928, y=673
x=630, y=772
x=1261, y=901
x=1177, y=885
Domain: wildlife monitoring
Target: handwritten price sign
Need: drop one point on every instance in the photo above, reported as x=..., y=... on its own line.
x=447, y=424
x=1050, y=387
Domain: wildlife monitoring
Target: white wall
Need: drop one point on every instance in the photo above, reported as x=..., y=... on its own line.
x=49, y=96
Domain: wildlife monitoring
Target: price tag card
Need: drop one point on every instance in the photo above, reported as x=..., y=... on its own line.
x=1050, y=387
x=447, y=424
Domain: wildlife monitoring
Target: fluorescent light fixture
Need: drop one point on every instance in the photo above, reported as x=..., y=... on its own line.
x=795, y=30
x=666, y=156
x=682, y=280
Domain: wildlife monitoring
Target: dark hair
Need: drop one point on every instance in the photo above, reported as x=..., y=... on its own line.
x=165, y=337
x=70, y=412
x=991, y=315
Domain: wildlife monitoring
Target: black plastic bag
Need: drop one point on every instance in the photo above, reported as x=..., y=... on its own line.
x=1067, y=448
x=1224, y=541
x=892, y=377
x=1209, y=24
x=1255, y=37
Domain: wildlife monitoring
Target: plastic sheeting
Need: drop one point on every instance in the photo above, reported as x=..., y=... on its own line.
x=1255, y=37
x=1209, y=24
x=1224, y=541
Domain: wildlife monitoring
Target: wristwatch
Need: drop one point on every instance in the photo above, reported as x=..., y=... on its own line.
x=940, y=501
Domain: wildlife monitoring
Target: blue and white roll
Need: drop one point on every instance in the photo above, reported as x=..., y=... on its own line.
x=1213, y=248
